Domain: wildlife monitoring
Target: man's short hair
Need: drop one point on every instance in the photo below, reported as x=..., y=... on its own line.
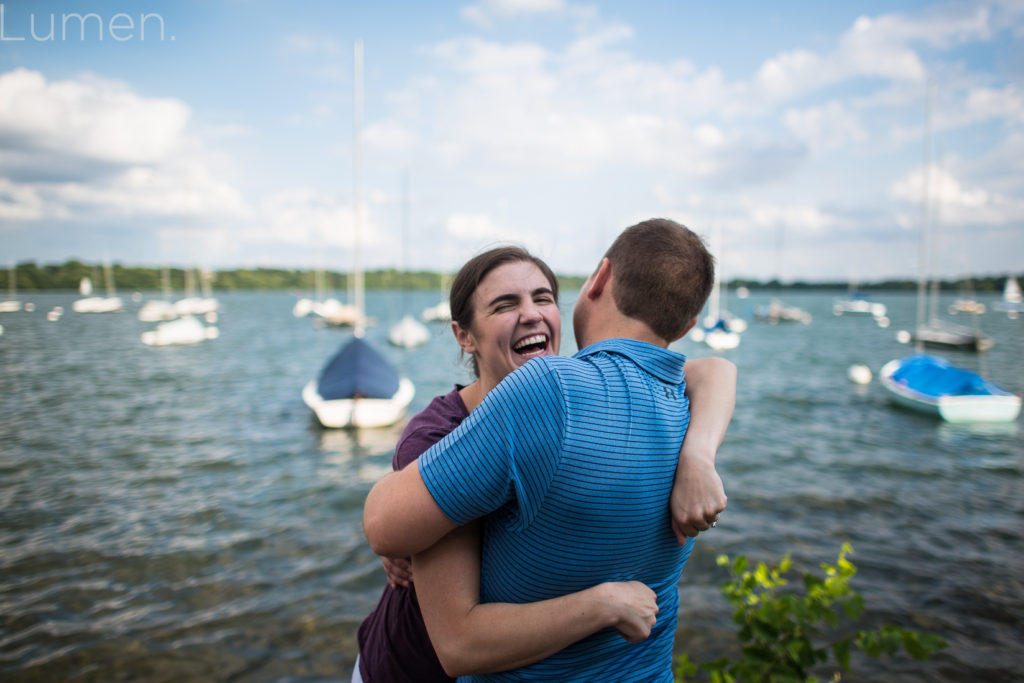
x=663, y=275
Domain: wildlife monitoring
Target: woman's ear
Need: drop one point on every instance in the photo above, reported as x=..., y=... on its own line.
x=464, y=338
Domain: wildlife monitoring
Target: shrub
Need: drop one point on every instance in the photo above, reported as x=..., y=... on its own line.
x=786, y=633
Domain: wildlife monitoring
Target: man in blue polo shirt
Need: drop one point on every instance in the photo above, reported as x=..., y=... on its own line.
x=570, y=461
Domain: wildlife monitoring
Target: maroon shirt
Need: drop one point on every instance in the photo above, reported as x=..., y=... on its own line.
x=393, y=643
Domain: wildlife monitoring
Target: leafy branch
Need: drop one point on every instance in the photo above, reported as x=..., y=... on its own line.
x=786, y=633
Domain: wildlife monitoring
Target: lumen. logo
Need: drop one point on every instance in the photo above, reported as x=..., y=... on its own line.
x=74, y=26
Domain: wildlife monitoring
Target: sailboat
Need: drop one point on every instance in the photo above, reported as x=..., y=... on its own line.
x=12, y=304
x=778, y=312
x=408, y=332
x=930, y=384
x=718, y=332
x=111, y=303
x=937, y=332
x=205, y=305
x=857, y=303
x=966, y=303
x=184, y=330
x=358, y=387
x=157, y=310
x=1012, y=303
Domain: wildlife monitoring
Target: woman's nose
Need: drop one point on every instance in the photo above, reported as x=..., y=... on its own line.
x=530, y=313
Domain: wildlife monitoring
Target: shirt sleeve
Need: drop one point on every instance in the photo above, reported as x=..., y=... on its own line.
x=505, y=452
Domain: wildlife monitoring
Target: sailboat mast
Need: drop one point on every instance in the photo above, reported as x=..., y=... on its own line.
x=922, y=265
x=357, y=124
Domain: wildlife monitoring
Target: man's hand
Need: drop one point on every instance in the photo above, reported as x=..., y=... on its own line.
x=398, y=571
x=634, y=607
x=698, y=497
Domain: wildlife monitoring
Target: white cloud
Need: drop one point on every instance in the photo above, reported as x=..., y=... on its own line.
x=826, y=127
x=389, y=136
x=486, y=12
x=88, y=118
x=312, y=46
x=21, y=203
x=475, y=227
x=953, y=203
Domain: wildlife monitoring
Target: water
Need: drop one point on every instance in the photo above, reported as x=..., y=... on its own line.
x=175, y=514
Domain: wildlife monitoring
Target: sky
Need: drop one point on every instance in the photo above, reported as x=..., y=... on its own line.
x=804, y=141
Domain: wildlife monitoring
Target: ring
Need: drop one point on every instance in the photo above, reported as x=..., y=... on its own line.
x=714, y=524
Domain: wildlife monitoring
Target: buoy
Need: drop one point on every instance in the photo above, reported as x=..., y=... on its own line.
x=859, y=373
x=903, y=337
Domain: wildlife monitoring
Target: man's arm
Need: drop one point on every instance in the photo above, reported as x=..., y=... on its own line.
x=400, y=517
x=471, y=637
x=698, y=496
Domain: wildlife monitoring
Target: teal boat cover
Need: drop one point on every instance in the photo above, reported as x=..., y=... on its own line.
x=934, y=376
x=357, y=370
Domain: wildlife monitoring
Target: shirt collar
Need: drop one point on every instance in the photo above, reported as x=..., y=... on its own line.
x=664, y=364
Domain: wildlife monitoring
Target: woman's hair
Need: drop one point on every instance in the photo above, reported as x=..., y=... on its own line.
x=663, y=275
x=473, y=273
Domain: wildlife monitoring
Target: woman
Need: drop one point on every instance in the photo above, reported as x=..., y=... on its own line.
x=505, y=311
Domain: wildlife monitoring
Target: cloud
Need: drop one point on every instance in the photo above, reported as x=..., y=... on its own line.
x=88, y=119
x=484, y=13
x=89, y=148
x=389, y=136
x=826, y=127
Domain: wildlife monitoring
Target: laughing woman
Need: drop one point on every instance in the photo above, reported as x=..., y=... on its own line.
x=505, y=311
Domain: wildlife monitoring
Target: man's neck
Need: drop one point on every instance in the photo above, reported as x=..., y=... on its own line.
x=624, y=329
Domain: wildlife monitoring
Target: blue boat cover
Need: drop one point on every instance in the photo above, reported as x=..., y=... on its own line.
x=720, y=324
x=360, y=370
x=934, y=376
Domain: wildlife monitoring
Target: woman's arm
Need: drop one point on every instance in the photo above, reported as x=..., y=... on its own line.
x=470, y=637
x=698, y=496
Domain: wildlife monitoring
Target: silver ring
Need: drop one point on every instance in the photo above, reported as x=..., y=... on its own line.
x=714, y=524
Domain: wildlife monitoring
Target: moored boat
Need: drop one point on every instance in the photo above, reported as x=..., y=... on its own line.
x=932, y=385
x=358, y=388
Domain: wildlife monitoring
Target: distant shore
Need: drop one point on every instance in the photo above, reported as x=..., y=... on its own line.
x=29, y=276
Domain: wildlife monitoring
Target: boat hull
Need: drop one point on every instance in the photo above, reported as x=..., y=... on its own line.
x=1003, y=407
x=359, y=412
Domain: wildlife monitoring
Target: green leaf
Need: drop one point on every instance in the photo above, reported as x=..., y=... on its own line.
x=841, y=650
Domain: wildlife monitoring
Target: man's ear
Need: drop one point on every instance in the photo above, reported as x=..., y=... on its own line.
x=599, y=280
x=464, y=338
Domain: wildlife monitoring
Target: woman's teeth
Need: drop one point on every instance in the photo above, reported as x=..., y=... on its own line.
x=531, y=345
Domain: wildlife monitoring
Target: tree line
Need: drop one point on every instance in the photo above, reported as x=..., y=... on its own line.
x=30, y=276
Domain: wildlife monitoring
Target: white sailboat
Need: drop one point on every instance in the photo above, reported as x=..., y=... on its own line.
x=441, y=312
x=857, y=303
x=408, y=332
x=12, y=304
x=1012, y=303
x=358, y=387
x=716, y=332
x=159, y=310
x=184, y=330
x=191, y=304
x=111, y=303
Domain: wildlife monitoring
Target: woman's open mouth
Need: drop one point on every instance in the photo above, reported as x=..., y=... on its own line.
x=534, y=345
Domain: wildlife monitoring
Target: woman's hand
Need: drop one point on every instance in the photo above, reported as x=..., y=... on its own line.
x=634, y=608
x=398, y=571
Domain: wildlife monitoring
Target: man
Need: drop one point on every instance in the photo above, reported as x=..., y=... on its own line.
x=570, y=461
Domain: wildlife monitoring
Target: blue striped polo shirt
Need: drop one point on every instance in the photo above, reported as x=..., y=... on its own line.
x=570, y=462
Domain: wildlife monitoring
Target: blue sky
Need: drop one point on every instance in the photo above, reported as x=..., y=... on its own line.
x=792, y=135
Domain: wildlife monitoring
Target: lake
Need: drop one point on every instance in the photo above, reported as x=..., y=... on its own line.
x=176, y=514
